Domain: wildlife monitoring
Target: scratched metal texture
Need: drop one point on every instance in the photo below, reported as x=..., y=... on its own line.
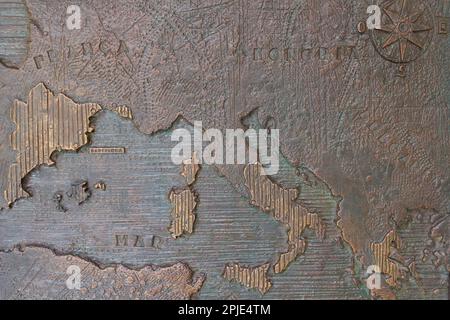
x=365, y=140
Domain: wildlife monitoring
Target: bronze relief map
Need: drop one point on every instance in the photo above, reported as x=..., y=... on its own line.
x=224, y=149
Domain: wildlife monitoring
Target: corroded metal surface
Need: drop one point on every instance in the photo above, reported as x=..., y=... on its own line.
x=364, y=120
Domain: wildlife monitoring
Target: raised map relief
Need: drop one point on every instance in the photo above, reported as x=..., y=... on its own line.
x=98, y=97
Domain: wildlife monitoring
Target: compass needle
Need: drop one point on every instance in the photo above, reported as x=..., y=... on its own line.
x=403, y=46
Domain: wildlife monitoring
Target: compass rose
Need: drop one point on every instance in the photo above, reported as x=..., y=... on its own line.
x=406, y=30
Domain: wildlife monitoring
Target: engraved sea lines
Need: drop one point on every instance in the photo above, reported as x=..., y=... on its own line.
x=14, y=32
x=43, y=125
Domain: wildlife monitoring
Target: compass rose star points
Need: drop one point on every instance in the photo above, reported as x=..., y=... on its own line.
x=404, y=27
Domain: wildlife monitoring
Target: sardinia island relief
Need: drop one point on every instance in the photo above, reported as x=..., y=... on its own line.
x=184, y=201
